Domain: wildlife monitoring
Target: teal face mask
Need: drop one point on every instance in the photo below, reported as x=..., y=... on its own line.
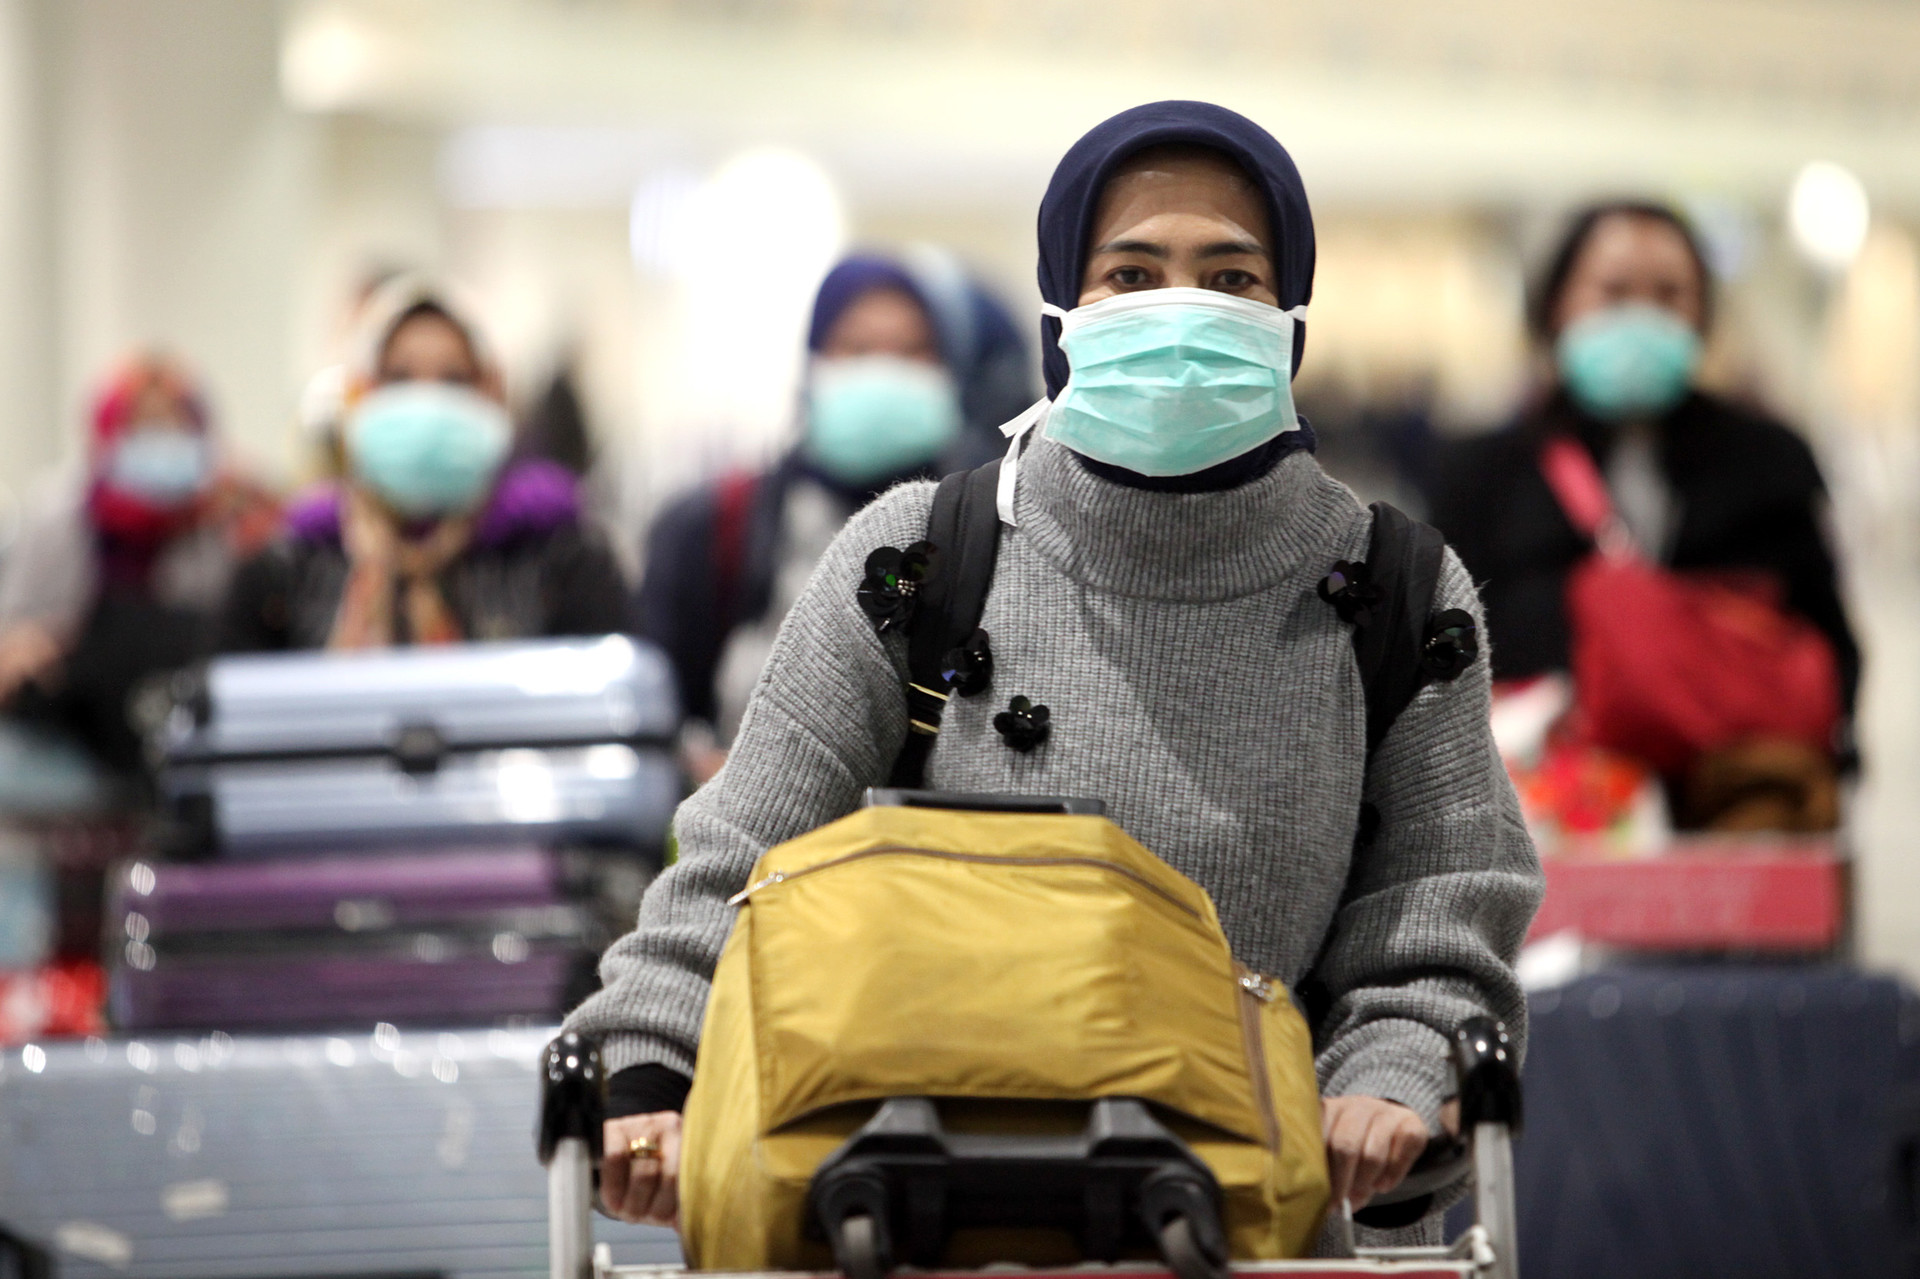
x=872, y=417
x=428, y=448
x=161, y=464
x=1173, y=381
x=1630, y=361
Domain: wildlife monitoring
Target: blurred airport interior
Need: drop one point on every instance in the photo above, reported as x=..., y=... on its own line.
x=640, y=198
x=610, y=179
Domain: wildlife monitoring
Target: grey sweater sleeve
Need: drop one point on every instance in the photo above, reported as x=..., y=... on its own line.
x=824, y=722
x=1436, y=907
x=50, y=575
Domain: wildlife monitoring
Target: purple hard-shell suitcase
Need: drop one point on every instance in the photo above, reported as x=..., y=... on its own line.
x=441, y=938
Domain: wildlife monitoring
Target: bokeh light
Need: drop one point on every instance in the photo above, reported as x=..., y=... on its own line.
x=1827, y=211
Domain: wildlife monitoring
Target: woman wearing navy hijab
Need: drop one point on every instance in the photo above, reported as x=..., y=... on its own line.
x=725, y=560
x=1165, y=504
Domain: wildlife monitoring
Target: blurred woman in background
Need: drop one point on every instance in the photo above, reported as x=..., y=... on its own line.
x=121, y=577
x=1624, y=442
x=434, y=535
x=725, y=562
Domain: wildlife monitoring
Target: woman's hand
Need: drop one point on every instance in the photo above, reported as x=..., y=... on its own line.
x=368, y=532
x=1370, y=1145
x=643, y=1186
x=28, y=653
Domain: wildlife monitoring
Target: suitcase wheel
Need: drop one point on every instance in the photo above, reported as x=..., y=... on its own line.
x=859, y=1248
x=1180, y=1246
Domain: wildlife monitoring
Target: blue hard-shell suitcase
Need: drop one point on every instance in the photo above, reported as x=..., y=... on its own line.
x=561, y=741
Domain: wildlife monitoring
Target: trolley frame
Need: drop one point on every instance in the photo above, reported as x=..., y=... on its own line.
x=573, y=1113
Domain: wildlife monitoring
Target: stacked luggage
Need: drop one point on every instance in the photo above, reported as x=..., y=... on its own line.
x=417, y=836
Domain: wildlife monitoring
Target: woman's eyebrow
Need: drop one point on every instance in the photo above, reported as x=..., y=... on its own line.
x=1233, y=249
x=1147, y=247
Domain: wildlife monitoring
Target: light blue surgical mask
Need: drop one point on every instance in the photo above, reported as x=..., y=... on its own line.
x=1173, y=381
x=872, y=417
x=1628, y=361
x=161, y=464
x=428, y=448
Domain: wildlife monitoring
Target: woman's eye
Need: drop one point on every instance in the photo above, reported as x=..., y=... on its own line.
x=1233, y=280
x=1129, y=277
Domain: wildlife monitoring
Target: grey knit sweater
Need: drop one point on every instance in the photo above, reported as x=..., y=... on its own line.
x=1201, y=688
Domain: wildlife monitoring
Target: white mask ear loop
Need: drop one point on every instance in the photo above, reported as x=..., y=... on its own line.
x=1016, y=432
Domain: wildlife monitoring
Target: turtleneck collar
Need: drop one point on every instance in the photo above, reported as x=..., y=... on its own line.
x=1188, y=547
x=1232, y=473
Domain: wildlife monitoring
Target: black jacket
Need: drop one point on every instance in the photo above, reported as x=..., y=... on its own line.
x=558, y=582
x=709, y=568
x=1748, y=496
x=712, y=555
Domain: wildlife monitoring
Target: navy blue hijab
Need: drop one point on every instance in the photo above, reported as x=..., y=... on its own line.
x=852, y=279
x=1066, y=212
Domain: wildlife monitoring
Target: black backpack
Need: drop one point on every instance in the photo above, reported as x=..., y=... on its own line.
x=938, y=589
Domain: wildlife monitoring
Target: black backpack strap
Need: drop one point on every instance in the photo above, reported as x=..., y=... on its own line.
x=946, y=649
x=1404, y=558
x=1388, y=598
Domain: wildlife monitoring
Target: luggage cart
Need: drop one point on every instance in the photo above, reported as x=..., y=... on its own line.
x=858, y=1197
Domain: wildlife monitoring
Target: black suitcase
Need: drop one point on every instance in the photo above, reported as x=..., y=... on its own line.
x=1744, y=1122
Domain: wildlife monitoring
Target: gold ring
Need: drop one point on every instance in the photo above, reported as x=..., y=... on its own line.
x=643, y=1148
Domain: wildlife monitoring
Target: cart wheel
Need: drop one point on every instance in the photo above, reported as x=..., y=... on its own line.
x=858, y=1248
x=1183, y=1253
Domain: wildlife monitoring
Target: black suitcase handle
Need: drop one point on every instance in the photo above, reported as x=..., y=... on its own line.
x=900, y=1186
x=969, y=802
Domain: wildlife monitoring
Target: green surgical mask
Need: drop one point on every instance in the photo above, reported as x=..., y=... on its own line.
x=1628, y=361
x=428, y=449
x=1173, y=381
x=872, y=417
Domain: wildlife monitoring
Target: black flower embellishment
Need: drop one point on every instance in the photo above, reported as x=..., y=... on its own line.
x=1453, y=641
x=891, y=589
x=968, y=668
x=1350, y=589
x=1022, y=724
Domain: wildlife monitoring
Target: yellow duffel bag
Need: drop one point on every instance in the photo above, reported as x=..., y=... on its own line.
x=1015, y=968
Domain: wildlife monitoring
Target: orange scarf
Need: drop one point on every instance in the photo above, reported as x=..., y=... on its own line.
x=381, y=559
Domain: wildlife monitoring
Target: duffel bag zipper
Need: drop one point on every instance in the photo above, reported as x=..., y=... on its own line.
x=1256, y=990
x=900, y=850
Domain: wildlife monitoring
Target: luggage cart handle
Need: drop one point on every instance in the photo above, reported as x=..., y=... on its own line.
x=1489, y=1091
x=573, y=1111
x=1488, y=1072
x=573, y=1094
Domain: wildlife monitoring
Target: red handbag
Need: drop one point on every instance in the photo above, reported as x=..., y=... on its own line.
x=1669, y=666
